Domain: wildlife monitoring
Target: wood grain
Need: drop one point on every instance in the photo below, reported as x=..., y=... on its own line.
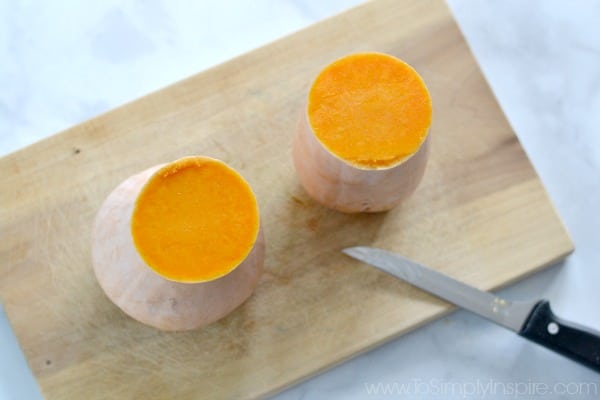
x=480, y=214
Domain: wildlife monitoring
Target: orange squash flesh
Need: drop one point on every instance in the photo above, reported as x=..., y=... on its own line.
x=371, y=110
x=195, y=220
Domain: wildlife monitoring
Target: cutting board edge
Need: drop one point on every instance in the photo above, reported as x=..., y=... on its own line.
x=447, y=309
x=179, y=82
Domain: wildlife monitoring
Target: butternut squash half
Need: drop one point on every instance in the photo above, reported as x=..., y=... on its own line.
x=179, y=246
x=363, y=142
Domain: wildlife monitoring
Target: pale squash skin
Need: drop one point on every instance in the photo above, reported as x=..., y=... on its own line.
x=146, y=296
x=337, y=184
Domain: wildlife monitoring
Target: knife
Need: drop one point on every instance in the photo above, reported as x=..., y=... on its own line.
x=533, y=320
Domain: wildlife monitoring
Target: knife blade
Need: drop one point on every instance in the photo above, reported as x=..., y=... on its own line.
x=533, y=320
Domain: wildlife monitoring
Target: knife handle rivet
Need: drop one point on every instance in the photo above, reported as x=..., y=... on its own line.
x=552, y=328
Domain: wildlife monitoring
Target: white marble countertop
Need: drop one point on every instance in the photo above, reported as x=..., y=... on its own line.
x=542, y=59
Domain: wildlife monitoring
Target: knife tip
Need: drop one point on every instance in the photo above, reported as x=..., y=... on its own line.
x=353, y=251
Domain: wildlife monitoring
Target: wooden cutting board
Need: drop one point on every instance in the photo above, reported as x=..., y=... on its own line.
x=480, y=214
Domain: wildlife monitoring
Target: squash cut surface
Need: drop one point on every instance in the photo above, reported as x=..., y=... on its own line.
x=195, y=220
x=370, y=109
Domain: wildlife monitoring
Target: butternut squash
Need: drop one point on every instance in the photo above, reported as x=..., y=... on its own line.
x=179, y=246
x=363, y=142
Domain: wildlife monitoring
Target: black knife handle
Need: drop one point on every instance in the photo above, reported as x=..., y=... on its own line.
x=577, y=343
